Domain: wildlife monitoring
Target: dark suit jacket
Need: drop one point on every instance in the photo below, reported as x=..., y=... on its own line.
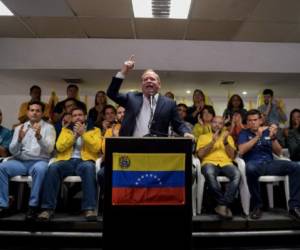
x=164, y=115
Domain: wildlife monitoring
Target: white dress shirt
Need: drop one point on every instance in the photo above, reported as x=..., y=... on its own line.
x=142, y=126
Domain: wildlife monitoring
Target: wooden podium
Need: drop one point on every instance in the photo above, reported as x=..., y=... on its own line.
x=147, y=192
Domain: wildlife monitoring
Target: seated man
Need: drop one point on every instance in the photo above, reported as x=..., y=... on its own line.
x=5, y=139
x=77, y=150
x=35, y=95
x=272, y=109
x=182, y=113
x=216, y=150
x=256, y=145
x=31, y=146
x=109, y=118
x=68, y=105
x=72, y=92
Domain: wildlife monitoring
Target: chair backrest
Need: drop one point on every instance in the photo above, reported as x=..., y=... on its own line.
x=20, y=178
x=72, y=179
x=271, y=178
x=222, y=179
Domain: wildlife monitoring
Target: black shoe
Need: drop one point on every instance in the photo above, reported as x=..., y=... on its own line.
x=31, y=213
x=295, y=213
x=256, y=213
x=4, y=212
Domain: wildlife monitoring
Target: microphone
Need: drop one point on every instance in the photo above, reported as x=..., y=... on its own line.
x=151, y=102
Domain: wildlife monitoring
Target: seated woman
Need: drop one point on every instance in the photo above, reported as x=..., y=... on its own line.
x=294, y=122
x=110, y=132
x=293, y=139
x=236, y=125
x=96, y=113
x=199, y=102
x=234, y=104
x=204, y=122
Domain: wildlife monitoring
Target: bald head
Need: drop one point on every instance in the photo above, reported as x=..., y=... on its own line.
x=217, y=123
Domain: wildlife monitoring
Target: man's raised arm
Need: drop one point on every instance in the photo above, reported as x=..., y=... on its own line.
x=115, y=85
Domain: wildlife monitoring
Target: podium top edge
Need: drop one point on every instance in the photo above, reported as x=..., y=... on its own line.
x=146, y=138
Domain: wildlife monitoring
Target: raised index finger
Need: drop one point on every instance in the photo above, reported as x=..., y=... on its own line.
x=131, y=58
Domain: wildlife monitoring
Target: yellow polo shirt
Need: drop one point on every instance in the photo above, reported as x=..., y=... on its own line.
x=217, y=155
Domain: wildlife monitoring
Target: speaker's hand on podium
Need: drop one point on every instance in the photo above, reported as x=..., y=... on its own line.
x=189, y=136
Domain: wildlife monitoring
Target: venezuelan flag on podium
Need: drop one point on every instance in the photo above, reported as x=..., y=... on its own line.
x=148, y=179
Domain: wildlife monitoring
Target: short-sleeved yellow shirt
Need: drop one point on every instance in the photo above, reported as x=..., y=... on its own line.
x=217, y=155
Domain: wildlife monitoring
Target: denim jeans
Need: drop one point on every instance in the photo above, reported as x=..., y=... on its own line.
x=37, y=169
x=211, y=172
x=255, y=169
x=59, y=170
x=101, y=178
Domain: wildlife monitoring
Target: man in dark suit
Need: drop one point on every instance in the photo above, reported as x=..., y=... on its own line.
x=147, y=112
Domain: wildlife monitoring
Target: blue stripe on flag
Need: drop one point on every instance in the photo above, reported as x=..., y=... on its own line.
x=148, y=179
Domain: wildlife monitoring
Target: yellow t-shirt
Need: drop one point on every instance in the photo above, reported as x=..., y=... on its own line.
x=217, y=155
x=201, y=130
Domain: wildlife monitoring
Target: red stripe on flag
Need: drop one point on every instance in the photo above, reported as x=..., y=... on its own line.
x=148, y=196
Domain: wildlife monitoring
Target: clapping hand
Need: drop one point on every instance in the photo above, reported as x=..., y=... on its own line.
x=260, y=131
x=273, y=130
x=22, y=133
x=37, y=129
x=227, y=119
x=200, y=121
x=277, y=103
x=225, y=137
x=78, y=129
x=216, y=136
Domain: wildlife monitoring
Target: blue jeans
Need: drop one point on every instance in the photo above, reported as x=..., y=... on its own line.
x=211, y=172
x=59, y=170
x=255, y=169
x=101, y=178
x=36, y=169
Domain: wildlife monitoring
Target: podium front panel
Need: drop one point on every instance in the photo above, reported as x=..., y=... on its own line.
x=147, y=193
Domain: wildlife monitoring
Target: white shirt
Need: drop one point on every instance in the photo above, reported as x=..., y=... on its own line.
x=30, y=148
x=77, y=147
x=143, y=118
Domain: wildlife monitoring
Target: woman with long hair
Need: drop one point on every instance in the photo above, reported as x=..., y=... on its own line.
x=95, y=114
x=198, y=105
x=293, y=138
x=235, y=104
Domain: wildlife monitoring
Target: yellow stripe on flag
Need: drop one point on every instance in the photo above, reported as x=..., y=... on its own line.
x=148, y=162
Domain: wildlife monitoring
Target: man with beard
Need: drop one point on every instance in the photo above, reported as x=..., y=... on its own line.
x=257, y=145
